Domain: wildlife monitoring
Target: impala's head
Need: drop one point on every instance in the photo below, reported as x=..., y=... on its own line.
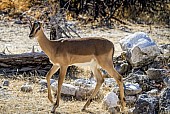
x=35, y=28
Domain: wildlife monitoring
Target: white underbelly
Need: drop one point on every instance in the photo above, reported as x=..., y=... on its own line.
x=91, y=63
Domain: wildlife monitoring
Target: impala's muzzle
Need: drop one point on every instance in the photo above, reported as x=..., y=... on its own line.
x=31, y=36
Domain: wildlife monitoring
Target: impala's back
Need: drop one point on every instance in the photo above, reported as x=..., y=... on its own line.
x=84, y=50
x=86, y=46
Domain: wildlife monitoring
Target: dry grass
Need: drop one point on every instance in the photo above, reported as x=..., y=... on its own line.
x=14, y=101
x=15, y=38
x=16, y=5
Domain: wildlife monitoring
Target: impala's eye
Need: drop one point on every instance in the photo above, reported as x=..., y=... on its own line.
x=36, y=25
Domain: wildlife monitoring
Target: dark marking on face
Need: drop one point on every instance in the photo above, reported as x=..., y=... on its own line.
x=35, y=28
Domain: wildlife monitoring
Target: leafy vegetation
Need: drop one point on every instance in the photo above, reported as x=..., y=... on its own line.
x=141, y=11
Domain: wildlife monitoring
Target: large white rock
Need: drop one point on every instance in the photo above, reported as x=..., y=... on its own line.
x=140, y=48
x=110, y=101
x=67, y=89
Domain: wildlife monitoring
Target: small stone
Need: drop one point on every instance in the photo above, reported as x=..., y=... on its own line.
x=84, y=82
x=156, y=74
x=18, y=22
x=43, y=82
x=130, y=100
x=130, y=111
x=132, y=89
x=153, y=92
x=26, y=88
x=110, y=101
x=5, y=83
x=109, y=82
x=112, y=110
x=43, y=89
x=84, y=93
x=167, y=82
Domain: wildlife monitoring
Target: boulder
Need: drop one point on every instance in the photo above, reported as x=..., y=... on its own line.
x=110, y=101
x=140, y=48
x=146, y=104
x=164, y=102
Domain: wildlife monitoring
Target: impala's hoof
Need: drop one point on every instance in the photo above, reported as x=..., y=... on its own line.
x=83, y=109
x=53, y=110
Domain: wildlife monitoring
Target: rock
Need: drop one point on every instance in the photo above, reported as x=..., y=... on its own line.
x=26, y=88
x=84, y=93
x=146, y=104
x=142, y=80
x=112, y=110
x=132, y=89
x=18, y=22
x=84, y=83
x=67, y=89
x=156, y=74
x=153, y=92
x=130, y=111
x=167, y=81
x=130, y=100
x=110, y=101
x=43, y=82
x=109, y=82
x=164, y=102
x=140, y=48
x=43, y=89
x=165, y=49
x=5, y=83
x=122, y=67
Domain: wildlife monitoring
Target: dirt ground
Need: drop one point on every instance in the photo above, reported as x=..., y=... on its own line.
x=14, y=40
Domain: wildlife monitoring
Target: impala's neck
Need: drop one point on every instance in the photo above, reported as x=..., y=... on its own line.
x=44, y=42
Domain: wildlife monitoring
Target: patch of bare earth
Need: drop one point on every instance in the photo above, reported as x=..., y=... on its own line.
x=14, y=39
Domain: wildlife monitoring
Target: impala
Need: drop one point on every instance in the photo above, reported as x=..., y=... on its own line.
x=96, y=52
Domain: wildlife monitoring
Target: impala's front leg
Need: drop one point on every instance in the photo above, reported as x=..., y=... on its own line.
x=48, y=77
x=63, y=70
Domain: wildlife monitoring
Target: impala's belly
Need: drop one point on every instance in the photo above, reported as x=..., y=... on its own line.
x=91, y=63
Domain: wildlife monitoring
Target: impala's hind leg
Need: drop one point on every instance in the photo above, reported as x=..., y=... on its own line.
x=99, y=80
x=106, y=63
